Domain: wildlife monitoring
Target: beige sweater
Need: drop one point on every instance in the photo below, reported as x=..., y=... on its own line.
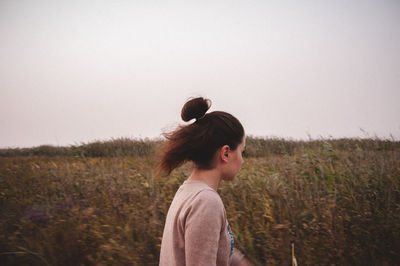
x=196, y=229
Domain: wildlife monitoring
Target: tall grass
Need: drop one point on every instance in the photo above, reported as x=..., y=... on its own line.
x=255, y=147
x=338, y=201
x=111, y=148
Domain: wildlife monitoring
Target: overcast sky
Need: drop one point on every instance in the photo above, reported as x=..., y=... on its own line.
x=79, y=71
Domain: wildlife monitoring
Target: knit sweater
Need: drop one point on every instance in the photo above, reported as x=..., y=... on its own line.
x=196, y=230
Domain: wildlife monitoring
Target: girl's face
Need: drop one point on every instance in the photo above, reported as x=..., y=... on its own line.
x=235, y=160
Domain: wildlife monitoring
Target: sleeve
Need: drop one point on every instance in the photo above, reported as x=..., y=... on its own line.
x=203, y=227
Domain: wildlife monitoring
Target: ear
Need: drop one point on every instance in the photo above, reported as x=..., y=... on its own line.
x=224, y=153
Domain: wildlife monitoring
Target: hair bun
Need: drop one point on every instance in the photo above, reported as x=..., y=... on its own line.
x=195, y=108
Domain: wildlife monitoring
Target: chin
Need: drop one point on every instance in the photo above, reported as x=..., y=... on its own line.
x=228, y=178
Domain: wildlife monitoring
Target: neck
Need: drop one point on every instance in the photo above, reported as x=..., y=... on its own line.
x=211, y=177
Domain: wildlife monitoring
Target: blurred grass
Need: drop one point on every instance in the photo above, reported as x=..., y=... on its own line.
x=112, y=148
x=338, y=201
x=255, y=147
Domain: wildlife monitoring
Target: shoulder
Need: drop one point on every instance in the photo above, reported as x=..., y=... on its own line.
x=199, y=193
x=205, y=209
x=207, y=206
x=210, y=198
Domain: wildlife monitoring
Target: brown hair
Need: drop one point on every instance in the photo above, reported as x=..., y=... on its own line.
x=199, y=141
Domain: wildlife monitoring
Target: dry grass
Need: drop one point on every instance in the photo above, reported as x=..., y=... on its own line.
x=338, y=204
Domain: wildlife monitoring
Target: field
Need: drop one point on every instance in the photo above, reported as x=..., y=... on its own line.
x=336, y=201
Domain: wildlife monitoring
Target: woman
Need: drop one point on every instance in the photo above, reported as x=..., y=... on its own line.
x=196, y=230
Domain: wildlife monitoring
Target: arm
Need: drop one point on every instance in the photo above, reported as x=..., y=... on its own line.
x=203, y=226
x=244, y=262
x=237, y=259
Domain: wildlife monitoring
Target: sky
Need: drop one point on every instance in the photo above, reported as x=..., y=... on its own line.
x=73, y=72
